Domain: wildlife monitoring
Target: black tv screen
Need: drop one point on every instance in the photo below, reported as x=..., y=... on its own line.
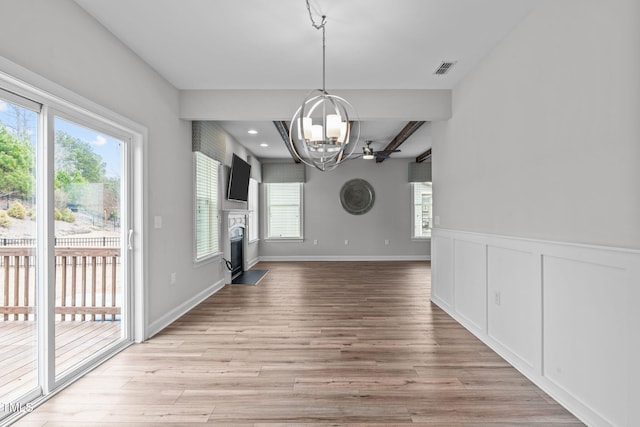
x=238, y=188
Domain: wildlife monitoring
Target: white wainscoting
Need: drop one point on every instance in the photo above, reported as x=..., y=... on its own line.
x=565, y=315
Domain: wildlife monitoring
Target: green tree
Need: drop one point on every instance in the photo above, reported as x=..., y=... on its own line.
x=74, y=156
x=63, y=179
x=16, y=165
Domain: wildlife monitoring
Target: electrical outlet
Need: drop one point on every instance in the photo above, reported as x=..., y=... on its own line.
x=386, y=241
x=315, y=242
x=346, y=242
x=496, y=297
x=157, y=221
x=436, y=220
x=173, y=278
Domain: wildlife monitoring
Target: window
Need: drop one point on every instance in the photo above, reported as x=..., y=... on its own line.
x=421, y=209
x=206, y=209
x=253, y=210
x=284, y=210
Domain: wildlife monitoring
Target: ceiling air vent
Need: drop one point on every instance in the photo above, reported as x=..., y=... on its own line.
x=444, y=68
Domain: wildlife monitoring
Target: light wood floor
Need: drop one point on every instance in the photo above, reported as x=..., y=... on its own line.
x=314, y=343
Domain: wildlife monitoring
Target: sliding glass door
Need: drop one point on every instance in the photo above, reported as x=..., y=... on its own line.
x=65, y=299
x=19, y=136
x=90, y=287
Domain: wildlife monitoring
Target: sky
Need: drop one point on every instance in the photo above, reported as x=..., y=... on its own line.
x=107, y=147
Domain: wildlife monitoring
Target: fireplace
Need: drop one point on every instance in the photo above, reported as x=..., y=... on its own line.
x=236, y=240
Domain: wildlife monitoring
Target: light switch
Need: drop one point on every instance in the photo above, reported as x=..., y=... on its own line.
x=157, y=221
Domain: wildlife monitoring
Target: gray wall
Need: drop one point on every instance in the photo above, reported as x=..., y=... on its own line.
x=327, y=222
x=544, y=137
x=234, y=147
x=60, y=42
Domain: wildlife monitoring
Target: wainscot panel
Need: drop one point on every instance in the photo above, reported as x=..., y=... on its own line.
x=514, y=303
x=442, y=270
x=586, y=331
x=470, y=282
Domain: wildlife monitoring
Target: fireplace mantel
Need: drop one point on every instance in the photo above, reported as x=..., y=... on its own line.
x=235, y=218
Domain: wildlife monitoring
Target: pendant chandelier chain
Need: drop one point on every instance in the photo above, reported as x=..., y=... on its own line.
x=320, y=26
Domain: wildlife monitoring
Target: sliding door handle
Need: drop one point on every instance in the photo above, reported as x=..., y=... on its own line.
x=130, y=240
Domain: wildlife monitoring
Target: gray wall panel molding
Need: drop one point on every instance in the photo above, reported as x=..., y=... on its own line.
x=420, y=172
x=209, y=139
x=283, y=172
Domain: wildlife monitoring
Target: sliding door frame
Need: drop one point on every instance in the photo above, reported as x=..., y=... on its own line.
x=58, y=101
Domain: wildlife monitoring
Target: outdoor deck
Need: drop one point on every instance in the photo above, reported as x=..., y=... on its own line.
x=75, y=342
x=87, y=301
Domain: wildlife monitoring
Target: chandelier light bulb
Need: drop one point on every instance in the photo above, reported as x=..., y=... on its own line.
x=333, y=126
x=316, y=133
x=343, y=132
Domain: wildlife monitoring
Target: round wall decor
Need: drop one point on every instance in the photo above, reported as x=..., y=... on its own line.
x=357, y=196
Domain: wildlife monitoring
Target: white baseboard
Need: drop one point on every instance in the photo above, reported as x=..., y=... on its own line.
x=182, y=309
x=252, y=262
x=564, y=314
x=348, y=258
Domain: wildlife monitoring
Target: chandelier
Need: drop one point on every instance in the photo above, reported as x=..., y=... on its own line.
x=325, y=129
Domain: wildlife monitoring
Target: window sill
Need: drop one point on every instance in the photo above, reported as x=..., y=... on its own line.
x=207, y=259
x=421, y=239
x=284, y=240
x=254, y=241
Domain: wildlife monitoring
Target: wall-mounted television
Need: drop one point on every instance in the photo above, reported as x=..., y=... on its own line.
x=238, y=188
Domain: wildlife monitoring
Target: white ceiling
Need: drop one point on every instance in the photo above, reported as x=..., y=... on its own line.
x=271, y=44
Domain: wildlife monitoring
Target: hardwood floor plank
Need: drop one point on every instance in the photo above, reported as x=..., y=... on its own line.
x=310, y=346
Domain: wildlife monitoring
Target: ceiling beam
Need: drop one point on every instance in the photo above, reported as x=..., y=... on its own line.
x=283, y=130
x=424, y=156
x=401, y=137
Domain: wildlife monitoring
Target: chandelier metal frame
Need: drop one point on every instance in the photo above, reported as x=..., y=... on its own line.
x=335, y=134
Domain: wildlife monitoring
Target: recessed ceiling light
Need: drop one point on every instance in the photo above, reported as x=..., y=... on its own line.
x=264, y=144
x=253, y=131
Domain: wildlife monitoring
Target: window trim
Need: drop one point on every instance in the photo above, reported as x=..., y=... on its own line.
x=214, y=255
x=268, y=238
x=254, y=211
x=413, y=215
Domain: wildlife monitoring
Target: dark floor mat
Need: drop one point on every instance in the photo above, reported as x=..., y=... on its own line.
x=249, y=277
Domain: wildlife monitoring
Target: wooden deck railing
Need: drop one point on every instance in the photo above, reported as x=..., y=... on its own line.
x=87, y=283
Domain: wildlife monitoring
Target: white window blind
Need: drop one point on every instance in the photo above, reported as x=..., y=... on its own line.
x=253, y=210
x=422, y=194
x=206, y=183
x=284, y=210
